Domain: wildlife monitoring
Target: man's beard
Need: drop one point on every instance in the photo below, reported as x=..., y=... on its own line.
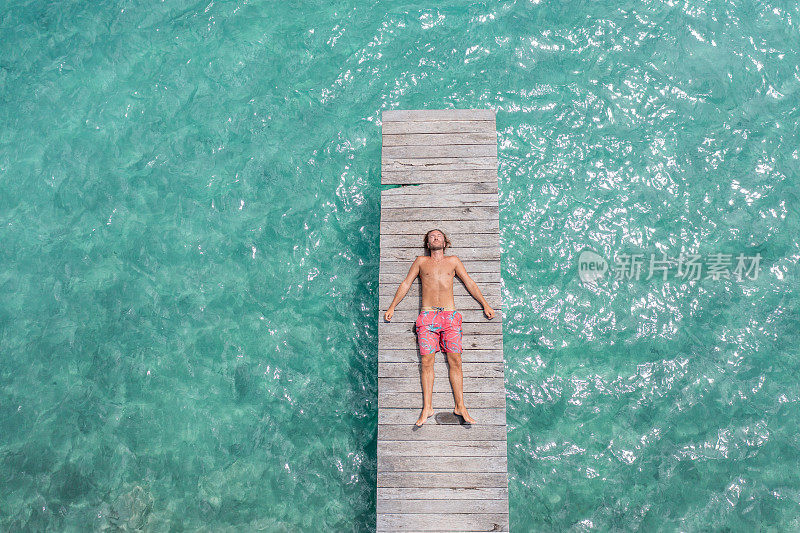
x=436, y=247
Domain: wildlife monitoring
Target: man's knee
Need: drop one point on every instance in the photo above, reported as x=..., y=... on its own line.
x=454, y=358
x=427, y=360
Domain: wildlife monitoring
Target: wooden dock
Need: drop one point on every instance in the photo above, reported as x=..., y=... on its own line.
x=443, y=476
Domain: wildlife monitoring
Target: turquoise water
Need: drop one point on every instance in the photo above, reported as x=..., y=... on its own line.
x=189, y=204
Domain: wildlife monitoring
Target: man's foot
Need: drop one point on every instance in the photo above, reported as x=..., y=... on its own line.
x=464, y=414
x=426, y=413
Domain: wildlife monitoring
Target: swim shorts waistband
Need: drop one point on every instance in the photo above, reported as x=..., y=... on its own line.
x=434, y=308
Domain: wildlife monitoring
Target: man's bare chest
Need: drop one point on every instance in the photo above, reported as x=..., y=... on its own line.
x=437, y=273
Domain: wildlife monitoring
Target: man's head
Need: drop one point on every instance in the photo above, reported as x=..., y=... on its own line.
x=436, y=240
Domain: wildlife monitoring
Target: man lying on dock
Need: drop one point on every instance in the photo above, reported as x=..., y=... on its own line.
x=439, y=324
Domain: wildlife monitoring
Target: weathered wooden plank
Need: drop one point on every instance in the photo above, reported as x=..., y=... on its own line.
x=405, y=351
x=392, y=354
x=388, y=290
x=439, y=139
x=439, y=201
x=412, y=214
x=458, y=247
x=439, y=127
x=408, y=310
x=433, y=176
x=470, y=369
x=402, y=328
x=442, y=448
x=475, y=240
x=489, y=327
x=487, y=416
x=441, y=400
x=411, y=355
x=442, y=522
x=477, y=277
x=389, y=164
x=490, y=291
x=442, y=464
x=406, y=493
x=442, y=479
x=455, y=228
x=480, y=273
x=435, y=432
x=406, y=313
x=474, y=342
x=400, y=369
x=470, y=265
x=452, y=531
x=427, y=531
x=439, y=150
x=488, y=340
x=463, y=304
x=412, y=115
x=443, y=188
x=396, y=201
x=496, y=385
x=492, y=287
x=480, y=333
x=389, y=284
x=440, y=506
x=464, y=253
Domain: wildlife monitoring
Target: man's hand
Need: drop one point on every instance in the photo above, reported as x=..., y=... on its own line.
x=389, y=314
x=488, y=311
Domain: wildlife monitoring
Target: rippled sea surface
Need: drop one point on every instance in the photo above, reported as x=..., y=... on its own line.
x=189, y=217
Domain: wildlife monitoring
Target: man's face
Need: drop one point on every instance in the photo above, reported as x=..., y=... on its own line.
x=436, y=240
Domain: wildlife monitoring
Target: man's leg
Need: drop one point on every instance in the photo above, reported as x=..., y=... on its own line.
x=457, y=382
x=427, y=388
x=428, y=341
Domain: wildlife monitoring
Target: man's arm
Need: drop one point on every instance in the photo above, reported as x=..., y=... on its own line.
x=402, y=290
x=473, y=289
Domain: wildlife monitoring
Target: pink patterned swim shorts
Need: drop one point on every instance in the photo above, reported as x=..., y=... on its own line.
x=439, y=328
